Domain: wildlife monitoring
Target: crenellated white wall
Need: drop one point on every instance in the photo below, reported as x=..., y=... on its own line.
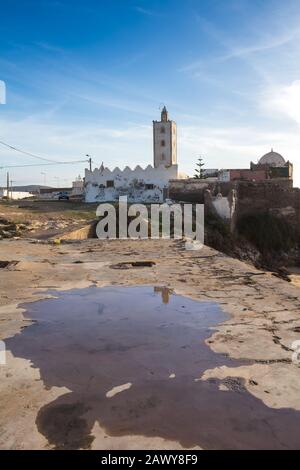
x=130, y=182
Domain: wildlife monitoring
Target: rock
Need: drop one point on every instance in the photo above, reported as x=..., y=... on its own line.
x=6, y=234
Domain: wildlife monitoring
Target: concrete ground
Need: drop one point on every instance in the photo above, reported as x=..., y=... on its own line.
x=264, y=321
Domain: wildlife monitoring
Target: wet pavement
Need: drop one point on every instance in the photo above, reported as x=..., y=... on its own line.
x=131, y=358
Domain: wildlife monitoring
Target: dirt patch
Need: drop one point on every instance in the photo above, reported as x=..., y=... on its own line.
x=133, y=264
x=7, y=264
x=42, y=219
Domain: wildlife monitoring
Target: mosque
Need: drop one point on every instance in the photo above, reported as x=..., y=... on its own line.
x=151, y=184
x=148, y=184
x=270, y=166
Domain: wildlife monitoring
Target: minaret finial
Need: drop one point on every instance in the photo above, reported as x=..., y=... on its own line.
x=164, y=114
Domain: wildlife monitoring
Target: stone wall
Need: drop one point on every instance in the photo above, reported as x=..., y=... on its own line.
x=193, y=190
x=233, y=200
x=277, y=197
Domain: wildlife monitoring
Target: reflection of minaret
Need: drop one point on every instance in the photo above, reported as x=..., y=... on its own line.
x=165, y=293
x=164, y=141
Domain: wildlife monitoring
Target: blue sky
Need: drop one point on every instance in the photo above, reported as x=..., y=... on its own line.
x=88, y=77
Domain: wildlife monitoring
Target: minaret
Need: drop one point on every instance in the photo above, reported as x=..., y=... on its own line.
x=164, y=141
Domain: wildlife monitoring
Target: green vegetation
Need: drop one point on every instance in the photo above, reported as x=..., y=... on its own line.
x=268, y=233
x=199, y=170
x=217, y=234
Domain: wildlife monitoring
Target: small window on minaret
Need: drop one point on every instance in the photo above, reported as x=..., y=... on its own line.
x=162, y=130
x=163, y=143
x=163, y=156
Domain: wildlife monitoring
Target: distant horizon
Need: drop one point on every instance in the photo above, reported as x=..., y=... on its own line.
x=90, y=77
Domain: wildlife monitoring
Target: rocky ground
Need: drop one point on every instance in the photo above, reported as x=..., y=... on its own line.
x=264, y=321
x=263, y=310
x=34, y=218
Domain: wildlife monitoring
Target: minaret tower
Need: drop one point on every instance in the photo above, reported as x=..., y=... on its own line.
x=164, y=141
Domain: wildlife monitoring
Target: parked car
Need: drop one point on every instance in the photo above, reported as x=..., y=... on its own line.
x=62, y=195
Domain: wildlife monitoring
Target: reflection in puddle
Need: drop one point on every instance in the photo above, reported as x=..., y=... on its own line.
x=129, y=342
x=165, y=293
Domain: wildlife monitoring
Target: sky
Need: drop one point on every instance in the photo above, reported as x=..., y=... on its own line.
x=89, y=77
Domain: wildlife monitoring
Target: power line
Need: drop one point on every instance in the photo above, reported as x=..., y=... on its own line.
x=43, y=164
x=27, y=153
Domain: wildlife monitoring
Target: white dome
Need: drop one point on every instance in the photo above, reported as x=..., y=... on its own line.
x=273, y=159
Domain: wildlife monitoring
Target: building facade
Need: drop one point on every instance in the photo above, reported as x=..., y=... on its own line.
x=164, y=141
x=138, y=184
x=269, y=167
x=148, y=184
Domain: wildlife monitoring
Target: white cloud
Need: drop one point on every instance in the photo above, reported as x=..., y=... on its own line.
x=284, y=100
x=131, y=144
x=235, y=52
x=127, y=145
x=235, y=147
x=145, y=11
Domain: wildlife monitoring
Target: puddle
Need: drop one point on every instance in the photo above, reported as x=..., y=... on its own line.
x=130, y=357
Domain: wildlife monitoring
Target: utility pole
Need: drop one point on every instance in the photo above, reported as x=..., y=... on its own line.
x=44, y=174
x=90, y=161
x=7, y=185
x=11, y=182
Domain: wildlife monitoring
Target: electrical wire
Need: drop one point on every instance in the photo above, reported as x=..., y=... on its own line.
x=2, y=167
x=27, y=153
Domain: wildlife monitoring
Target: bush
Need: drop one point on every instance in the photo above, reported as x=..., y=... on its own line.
x=268, y=233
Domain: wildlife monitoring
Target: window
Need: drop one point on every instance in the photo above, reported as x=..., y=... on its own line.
x=162, y=130
x=163, y=143
x=110, y=184
x=163, y=156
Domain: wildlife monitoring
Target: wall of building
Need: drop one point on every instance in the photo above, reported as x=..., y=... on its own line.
x=77, y=187
x=52, y=193
x=192, y=189
x=222, y=206
x=139, y=185
x=164, y=132
x=247, y=174
x=285, y=171
x=242, y=174
x=15, y=194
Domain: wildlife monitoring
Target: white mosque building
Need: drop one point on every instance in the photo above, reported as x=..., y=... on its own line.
x=138, y=184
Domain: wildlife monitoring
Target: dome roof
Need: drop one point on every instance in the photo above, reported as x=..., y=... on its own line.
x=273, y=159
